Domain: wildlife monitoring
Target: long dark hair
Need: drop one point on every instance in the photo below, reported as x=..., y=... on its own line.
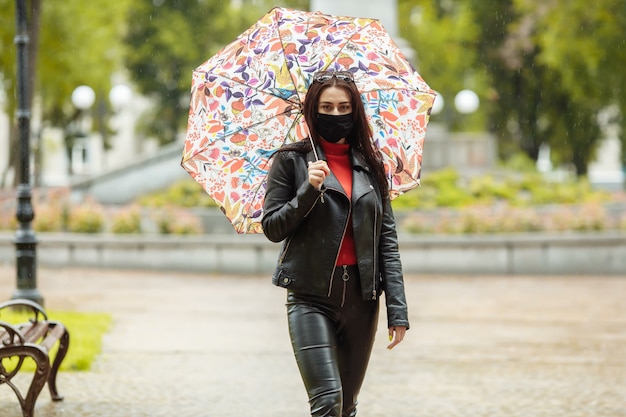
x=359, y=139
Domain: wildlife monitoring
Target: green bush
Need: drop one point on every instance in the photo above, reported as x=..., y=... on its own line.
x=48, y=218
x=437, y=189
x=507, y=219
x=487, y=190
x=127, y=221
x=184, y=193
x=591, y=217
x=519, y=162
x=8, y=221
x=447, y=189
x=512, y=198
x=177, y=222
x=474, y=223
x=622, y=223
x=186, y=225
x=86, y=218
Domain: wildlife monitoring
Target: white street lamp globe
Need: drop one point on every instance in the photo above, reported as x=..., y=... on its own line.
x=466, y=101
x=437, y=104
x=120, y=95
x=83, y=97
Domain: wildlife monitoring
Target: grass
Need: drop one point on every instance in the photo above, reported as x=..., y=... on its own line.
x=86, y=331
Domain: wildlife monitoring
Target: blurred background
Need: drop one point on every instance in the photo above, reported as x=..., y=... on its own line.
x=528, y=124
x=523, y=179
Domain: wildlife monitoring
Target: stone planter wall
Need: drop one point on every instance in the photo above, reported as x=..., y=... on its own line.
x=532, y=253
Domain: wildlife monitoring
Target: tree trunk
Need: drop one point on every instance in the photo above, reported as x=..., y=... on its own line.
x=580, y=164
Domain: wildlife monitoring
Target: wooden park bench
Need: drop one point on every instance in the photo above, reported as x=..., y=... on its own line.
x=32, y=339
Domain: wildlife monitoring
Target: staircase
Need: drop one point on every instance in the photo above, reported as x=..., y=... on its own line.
x=124, y=185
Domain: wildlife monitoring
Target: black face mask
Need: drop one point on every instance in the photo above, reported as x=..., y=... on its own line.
x=332, y=127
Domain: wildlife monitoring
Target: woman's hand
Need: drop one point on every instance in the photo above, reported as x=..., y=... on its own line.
x=396, y=335
x=318, y=171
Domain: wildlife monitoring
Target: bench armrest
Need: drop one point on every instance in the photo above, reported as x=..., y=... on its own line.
x=9, y=333
x=33, y=306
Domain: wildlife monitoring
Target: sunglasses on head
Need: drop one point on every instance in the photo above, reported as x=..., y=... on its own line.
x=323, y=76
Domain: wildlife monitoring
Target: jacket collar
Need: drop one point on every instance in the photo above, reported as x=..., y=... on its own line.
x=358, y=164
x=357, y=159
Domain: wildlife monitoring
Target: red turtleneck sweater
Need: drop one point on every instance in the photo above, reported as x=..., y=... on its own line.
x=338, y=159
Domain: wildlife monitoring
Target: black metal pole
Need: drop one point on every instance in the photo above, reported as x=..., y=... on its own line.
x=25, y=240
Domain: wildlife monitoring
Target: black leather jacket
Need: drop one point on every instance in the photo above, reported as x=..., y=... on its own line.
x=312, y=224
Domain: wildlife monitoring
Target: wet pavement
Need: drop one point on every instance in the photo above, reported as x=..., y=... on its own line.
x=217, y=346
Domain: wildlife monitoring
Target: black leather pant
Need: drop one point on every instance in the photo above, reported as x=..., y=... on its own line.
x=332, y=339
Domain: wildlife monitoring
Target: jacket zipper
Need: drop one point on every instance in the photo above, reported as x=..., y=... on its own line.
x=344, y=277
x=332, y=274
x=375, y=252
x=282, y=257
x=319, y=197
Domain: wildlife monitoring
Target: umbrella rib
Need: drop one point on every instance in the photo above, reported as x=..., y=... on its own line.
x=252, y=126
x=260, y=90
x=346, y=44
x=348, y=41
x=295, y=121
x=291, y=74
x=259, y=187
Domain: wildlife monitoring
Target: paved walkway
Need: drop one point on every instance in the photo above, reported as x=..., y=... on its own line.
x=217, y=346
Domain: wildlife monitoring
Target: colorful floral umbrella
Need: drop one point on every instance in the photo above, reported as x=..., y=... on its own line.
x=246, y=103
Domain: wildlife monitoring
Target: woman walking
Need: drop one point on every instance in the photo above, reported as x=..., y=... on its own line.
x=327, y=199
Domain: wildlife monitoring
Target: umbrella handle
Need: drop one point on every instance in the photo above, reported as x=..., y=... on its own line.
x=314, y=151
x=312, y=144
x=314, y=154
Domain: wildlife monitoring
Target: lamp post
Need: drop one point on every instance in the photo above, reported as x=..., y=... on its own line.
x=466, y=101
x=120, y=125
x=83, y=98
x=25, y=240
x=119, y=96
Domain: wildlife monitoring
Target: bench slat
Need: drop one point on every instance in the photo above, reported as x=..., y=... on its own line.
x=3, y=336
x=35, y=331
x=54, y=335
x=33, y=339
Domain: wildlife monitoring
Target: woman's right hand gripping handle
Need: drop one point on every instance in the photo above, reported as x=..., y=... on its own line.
x=318, y=171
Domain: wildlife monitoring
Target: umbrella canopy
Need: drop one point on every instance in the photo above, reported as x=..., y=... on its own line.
x=246, y=103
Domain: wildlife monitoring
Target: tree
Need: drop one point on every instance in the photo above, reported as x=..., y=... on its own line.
x=79, y=43
x=88, y=49
x=9, y=77
x=550, y=66
x=168, y=39
x=505, y=47
x=583, y=42
x=84, y=42
x=444, y=35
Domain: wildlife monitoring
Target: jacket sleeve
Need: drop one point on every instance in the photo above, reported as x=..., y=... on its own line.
x=391, y=270
x=289, y=197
